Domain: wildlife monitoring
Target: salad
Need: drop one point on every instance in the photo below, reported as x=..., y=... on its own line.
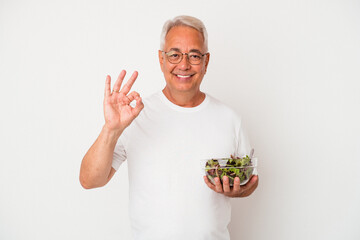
x=231, y=167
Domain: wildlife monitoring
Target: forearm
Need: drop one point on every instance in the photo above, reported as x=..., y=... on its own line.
x=96, y=164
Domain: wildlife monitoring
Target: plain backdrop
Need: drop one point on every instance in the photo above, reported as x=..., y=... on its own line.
x=289, y=68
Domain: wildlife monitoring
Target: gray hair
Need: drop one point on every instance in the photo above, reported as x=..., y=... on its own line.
x=183, y=20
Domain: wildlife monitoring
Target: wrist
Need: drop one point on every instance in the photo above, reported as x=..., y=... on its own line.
x=112, y=133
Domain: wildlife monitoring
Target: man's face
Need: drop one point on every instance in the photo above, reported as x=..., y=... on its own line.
x=183, y=77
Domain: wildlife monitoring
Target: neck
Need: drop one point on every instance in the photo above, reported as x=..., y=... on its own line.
x=184, y=99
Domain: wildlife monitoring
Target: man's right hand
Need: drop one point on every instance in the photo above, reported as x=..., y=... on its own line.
x=117, y=110
x=96, y=169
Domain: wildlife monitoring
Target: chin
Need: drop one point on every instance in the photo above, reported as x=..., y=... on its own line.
x=184, y=87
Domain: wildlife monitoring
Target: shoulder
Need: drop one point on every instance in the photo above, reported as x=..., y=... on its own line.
x=154, y=97
x=223, y=108
x=151, y=102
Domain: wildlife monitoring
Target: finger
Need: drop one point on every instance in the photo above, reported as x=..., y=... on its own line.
x=218, y=187
x=208, y=183
x=119, y=81
x=251, y=183
x=236, y=186
x=126, y=89
x=107, y=86
x=250, y=187
x=226, y=184
x=139, y=106
x=254, y=182
x=133, y=95
x=256, y=178
x=126, y=100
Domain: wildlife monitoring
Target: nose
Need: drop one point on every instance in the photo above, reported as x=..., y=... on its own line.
x=184, y=64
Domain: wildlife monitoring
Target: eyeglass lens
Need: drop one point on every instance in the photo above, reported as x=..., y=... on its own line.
x=176, y=57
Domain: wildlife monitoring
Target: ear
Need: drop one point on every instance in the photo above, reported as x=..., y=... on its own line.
x=207, y=59
x=161, y=60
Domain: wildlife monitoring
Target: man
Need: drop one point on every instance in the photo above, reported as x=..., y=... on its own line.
x=164, y=140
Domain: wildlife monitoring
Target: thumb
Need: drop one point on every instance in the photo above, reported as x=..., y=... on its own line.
x=139, y=106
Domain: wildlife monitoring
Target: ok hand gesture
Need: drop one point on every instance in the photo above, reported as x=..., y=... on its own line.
x=117, y=110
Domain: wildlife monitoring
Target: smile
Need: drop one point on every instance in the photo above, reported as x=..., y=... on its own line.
x=184, y=76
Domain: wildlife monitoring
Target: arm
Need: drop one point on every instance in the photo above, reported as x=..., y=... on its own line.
x=96, y=170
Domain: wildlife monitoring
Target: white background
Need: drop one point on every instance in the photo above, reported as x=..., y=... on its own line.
x=290, y=68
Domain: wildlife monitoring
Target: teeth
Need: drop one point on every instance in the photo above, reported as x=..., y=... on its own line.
x=181, y=76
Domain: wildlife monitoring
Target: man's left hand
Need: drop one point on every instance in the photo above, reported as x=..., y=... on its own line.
x=236, y=190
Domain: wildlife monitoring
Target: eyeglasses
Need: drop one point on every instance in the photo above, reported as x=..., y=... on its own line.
x=175, y=57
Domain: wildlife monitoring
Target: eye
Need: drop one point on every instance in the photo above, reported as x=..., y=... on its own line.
x=173, y=54
x=195, y=56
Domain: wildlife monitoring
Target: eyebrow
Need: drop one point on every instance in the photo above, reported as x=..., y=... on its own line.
x=191, y=50
x=174, y=49
x=195, y=50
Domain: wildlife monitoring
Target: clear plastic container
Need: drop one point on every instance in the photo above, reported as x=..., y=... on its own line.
x=243, y=168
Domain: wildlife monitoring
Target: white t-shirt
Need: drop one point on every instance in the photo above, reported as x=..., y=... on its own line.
x=164, y=146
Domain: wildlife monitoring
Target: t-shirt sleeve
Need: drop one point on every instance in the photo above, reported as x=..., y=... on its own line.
x=119, y=155
x=243, y=143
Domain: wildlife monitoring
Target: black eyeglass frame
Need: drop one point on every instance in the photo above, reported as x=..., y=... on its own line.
x=187, y=56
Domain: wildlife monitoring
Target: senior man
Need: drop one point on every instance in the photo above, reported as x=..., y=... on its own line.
x=164, y=137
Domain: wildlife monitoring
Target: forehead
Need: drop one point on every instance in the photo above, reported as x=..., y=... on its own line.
x=184, y=38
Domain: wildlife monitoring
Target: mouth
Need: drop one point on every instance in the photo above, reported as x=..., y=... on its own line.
x=184, y=77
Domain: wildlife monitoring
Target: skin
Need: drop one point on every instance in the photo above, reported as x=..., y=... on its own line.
x=235, y=191
x=184, y=92
x=96, y=170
